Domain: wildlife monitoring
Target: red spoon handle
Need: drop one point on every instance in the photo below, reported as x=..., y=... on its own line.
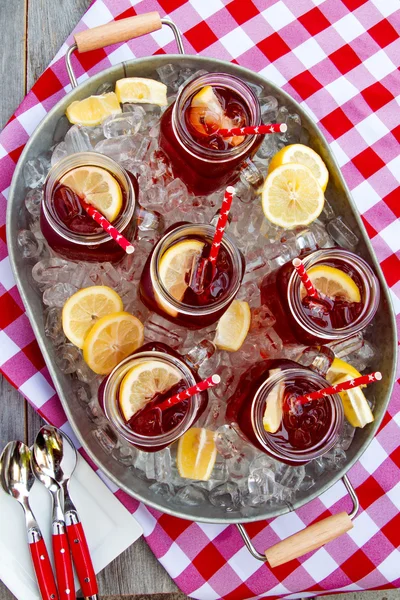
x=44, y=573
x=63, y=564
x=82, y=561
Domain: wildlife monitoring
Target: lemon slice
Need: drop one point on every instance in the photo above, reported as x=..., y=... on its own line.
x=356, y=407
x=93, y=110
x=333, y=283
x=303, y=155
x=143, y=382
x=196, y=454
x=141, y=90
x=233, y=326
x=83, y=309
x=274, y=406
x=339, y=368
x=97, y=187
x=176, y=265
x=206, y=98
x=110, y=340
x=291, y=196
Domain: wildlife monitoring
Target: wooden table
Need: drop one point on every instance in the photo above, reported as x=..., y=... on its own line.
x=31, y=33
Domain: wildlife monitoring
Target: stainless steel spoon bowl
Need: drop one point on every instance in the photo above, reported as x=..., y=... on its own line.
x=17, y=479
x=56, y=458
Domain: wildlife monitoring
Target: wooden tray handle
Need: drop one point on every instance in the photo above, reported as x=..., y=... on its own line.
x=308, y=539
x=117, y=31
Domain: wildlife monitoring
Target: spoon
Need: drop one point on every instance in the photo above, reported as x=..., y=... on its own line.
x=16, y=479
x=61, y=550
x=56, y=457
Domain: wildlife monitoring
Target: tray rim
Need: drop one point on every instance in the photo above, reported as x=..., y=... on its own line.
x=244, y=72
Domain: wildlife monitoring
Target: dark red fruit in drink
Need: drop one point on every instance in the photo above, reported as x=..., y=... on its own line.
x=203, y=123
x=207, y=284
x=152, y=421
x=304, y=425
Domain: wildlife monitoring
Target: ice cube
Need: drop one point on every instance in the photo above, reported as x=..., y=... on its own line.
x=268, y=147
x=49, y=271
x=191, y=495
x=58, y=294
x=290, y=477
x=34, y=172
x=82, y=391
x=33, y=201
x=123, y=124
x=228, y=441
x=261, y=486
x=364, y=357
x=168, y=73
x=249, y=292
x=261, y=318
x=227, y=375
x=244, y=192
x=250, y=174
x=77, y=140
x=158, y=329
x=155, y=196
x=162, y=465
x=120, y=148
x=67, y=356
x=28, y=244
x=226, y=495
x=254, y=261
x=328, y=212
x=270, y=344
x=317, y=358
x=177, y=195
x=106, y=438
x=52, y=325
x=150, y=224
x=342, y=234
x=162, y=489
x=59, y=152
x=293, y=132
x=346, y=436
x=124, y=454
x=345, y=347
x=200, y=353
x=269, y=108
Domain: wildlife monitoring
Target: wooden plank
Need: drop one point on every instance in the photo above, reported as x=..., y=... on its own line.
x=49, y=24
x=12, y=57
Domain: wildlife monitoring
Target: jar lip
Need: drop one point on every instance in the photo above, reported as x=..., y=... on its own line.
x=207, y=231
x=266, y=440
x=111, y=409
x=194, y=148
x=87, y=159
x=370, y=294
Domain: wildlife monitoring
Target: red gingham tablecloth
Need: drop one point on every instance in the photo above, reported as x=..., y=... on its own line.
x=339, y=59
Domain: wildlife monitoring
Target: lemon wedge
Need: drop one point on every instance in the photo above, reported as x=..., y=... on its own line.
x=97, y=187
x=141, y=90
x=333, y=283
x=176, y=265
x=196, y=454
x=110, y=340
x=142, y=382
x=355, y=405
x=206, y=98
x=84, y=308
x=339, y=368
x=274, y=406
x=292, y=196
x=233, y=326
x=303, y=155
x=93, y=110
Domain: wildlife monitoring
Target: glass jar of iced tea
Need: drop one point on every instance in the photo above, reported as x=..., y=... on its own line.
x=201, y=157
x=68, y=229
x=180, y=284
x=303, y=431
x=308, y=320
x=149, y=428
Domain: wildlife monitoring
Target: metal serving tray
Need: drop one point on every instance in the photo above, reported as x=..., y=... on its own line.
x=385, y=339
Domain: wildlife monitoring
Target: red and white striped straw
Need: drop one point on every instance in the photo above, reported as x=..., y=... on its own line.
x=110, y=229
x=340, y=387
x=220, y=228
x=202, y=386
x=254, y=130
x=299, y=266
